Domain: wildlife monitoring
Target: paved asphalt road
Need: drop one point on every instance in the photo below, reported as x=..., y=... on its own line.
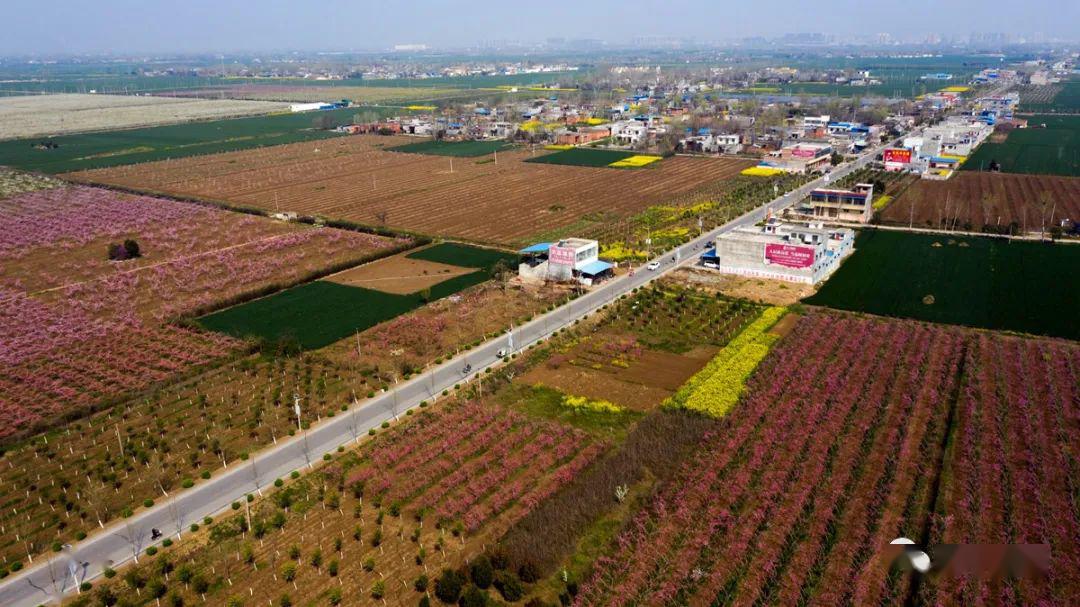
x=50, y=579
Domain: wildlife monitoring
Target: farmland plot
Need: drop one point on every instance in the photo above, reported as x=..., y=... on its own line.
x=650, y=344
x=171, y=437
x=987, y=202
x=79, y=330
x=129, y=146
x=15, y=182
x=973, y=281
x=465, y=149
x=38, y=115
x=310, y=94
x=351, y=178
x=1051, y=98
x=760, y=517
x=440, y=328
x=368, y=525
x=319, y=313
x=176, y=434
x=1054, y=150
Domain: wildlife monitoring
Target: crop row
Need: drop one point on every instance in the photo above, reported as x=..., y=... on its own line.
x=332, y=533
x=351, y=178
x=835, y=452
x=71, y=340
x=717, y=387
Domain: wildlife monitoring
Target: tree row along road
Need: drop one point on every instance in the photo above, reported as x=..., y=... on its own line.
x=53, y=577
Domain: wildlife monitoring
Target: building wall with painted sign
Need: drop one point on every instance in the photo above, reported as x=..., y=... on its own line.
x=789, y=256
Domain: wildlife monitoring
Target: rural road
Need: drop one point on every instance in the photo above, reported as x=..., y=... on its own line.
x=51, y=578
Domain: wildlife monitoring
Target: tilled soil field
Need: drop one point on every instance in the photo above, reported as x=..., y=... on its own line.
x=970, y=201
x=484, y=199
x=398, y=274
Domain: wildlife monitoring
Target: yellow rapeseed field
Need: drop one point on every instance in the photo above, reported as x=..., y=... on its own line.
x=582, y=404
x=760, y=171
x=634, y=162
x=717, y=388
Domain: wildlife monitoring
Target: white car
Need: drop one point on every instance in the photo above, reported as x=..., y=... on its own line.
x=653, y=265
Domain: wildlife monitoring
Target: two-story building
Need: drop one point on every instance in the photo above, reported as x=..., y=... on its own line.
x=855, y=205
x=779, y=251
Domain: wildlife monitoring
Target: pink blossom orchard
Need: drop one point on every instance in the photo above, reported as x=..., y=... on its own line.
x=474, y=462
x=838, y=449
x=91, y=330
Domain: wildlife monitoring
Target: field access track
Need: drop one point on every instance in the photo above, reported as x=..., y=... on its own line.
x=480, y=199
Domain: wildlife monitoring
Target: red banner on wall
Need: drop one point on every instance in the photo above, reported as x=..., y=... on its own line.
x=899, y=155
x=561, y=256
x=790, y=256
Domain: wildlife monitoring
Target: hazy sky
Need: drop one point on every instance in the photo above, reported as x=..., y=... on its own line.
x=93, y=26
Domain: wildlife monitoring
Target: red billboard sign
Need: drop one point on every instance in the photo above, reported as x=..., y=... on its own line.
x=898, y=155
x=791, y=256
x=561, y=256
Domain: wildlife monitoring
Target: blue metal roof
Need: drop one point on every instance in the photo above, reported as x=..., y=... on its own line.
x=540, y=247
x=940, y=159
x=595, y=267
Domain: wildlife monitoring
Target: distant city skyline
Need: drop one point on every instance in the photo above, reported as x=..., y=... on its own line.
x=128, y=26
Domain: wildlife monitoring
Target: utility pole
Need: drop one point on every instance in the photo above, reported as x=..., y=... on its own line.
x=296, y=409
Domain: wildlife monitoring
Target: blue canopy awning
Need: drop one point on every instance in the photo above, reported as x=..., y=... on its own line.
x=595, y=267
x=540, y=247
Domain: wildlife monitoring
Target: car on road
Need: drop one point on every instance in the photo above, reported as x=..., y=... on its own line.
x=653, y=265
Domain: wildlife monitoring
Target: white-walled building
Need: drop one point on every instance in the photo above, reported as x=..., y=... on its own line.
x=813, y=123
x=802, y=157
x=570, y=259
x=779, y=251
x=629, y=132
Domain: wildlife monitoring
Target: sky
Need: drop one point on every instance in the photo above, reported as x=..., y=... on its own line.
x=191, y=26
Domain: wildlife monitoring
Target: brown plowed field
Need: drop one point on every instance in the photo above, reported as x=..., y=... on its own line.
x=354, y=178
x=995, y=199
x=398, y=274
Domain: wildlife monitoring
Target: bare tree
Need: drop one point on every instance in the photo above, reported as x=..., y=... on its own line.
x=177, y=517
x=161, y=475
x=27, y=531
x=256, y=478
x=354, y=423
x=394, y=398
x=97, y=497
x=305, y=447
x=53, y=589
x=134, y=536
